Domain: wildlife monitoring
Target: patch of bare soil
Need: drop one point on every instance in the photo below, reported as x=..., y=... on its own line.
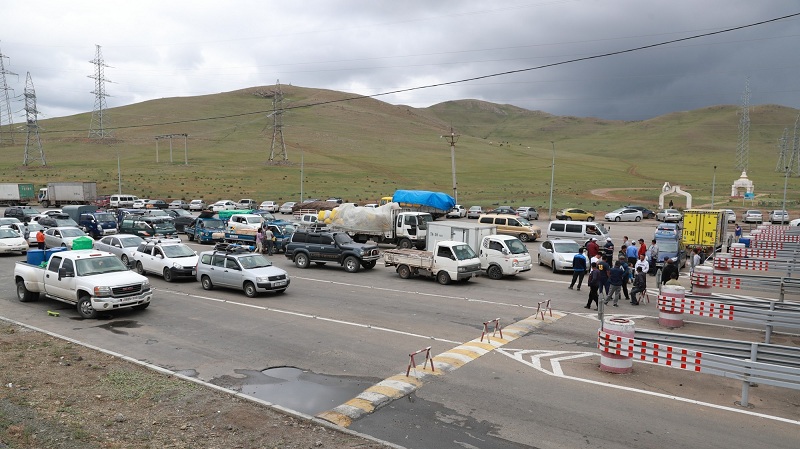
x=55, y=394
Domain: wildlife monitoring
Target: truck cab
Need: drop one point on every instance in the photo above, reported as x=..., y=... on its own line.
x=503, y=255
x=206, y=230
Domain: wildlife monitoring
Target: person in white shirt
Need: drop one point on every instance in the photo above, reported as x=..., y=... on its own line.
x=642, y=262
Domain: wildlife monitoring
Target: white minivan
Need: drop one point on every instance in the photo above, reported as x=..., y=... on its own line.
x=120, y=200
x=579, y=231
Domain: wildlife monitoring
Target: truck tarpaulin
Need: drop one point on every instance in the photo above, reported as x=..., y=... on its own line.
x=436, y=200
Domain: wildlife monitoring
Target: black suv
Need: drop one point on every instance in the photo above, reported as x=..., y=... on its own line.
x=322, y=247
x=21, y=213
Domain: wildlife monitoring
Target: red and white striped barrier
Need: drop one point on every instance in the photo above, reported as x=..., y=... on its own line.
x=695, y=307
x=615, y=343
x=765, y=244
x=671, y=318
x=783, y=238
x=726, y=263
x=753, y=252
x=702, y=281
x=645, y=351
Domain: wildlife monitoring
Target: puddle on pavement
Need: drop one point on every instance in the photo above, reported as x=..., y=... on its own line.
x=117, y=325
x=299, y=390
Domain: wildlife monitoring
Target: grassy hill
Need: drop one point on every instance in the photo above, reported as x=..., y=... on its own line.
x=363, y=149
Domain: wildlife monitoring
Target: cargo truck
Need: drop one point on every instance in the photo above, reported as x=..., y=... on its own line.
x=57, y=194
x=446, y=261
x=437, y=204
x=15, y=194
x=704, y=229
x=97, y=224
x=500, y=255
x=385, y=224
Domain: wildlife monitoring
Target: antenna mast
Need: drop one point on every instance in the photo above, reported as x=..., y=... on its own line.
x=97, y=129
x=32, y=138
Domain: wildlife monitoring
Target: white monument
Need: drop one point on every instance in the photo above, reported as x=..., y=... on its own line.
x=742, y=187
x=668, y=189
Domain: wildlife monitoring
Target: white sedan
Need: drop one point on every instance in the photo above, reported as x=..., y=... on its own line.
x=11, y=242
x=30, y=228
x=624, y=214
x=458, y=211
x=121, y=245
x=558, y=254
x=669, y=215
x=223, y=205
x=170, y=260
x=62, y=236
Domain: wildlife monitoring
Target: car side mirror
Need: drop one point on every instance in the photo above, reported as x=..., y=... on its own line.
x=505, y=252
x=160, y=256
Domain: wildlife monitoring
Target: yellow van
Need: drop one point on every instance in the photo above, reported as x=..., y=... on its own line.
x=512, y=225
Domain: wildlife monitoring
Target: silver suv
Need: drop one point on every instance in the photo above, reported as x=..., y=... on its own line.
x=240, y=269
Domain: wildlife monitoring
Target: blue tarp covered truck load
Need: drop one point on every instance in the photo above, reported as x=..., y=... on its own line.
x=436, y=203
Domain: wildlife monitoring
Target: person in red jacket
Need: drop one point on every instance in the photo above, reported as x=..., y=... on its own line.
x=642, y=248
x=40, y=239
x=592, y=248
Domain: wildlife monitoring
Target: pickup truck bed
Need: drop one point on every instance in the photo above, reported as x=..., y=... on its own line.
x=411, y=257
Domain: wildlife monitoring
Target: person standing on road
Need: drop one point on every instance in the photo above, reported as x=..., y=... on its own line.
x=579, y=263
x=260, y=241
x=625, y=241
x=642, y=248
x=40, y=239
x=594, y=285
x=604, y=264
x=608, y=248
x=642, y=263
x=737, y=233
x=626, y=278
x=654, y=256
x=632, y=253
x=593, y=248
x=670, y=270
x=269, y=239
x=695, y=258
x=639, y=285
x=615, y=279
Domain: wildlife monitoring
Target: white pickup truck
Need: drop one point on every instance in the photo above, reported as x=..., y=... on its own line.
x=447, y=260
x=94, y=281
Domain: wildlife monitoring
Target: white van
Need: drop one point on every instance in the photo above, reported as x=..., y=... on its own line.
x=122, y=200
x=580, y=231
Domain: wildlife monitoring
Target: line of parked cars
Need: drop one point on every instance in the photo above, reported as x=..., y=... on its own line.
x=526, y=212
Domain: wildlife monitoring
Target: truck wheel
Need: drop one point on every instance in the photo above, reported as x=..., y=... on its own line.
x=524, y=237
x=351, y=264
x=638, y=218
x=404, y=243
x=167, y=275
x=85, y=308
x=25, y=295
x=301, y=260
x=141, y=306
x=495, y=272
x=404, y=271
x=443, y=278
x=250, y=290
x=139, y=268
x=205, y=281
x=191, y=237
x=369, y=265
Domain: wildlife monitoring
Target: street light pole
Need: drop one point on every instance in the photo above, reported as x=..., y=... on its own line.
x=713, y=186
x=301, y=174
x=552, y=178
x=119, y=174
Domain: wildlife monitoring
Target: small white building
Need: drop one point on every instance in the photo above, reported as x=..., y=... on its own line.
x=742, y=187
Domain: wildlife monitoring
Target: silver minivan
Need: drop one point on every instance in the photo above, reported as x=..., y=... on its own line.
x=576, y=230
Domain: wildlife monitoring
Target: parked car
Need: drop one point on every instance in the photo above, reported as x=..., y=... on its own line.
x=269, y=206
x=672, y=215
x=25, y=228
x=156, y=204
x=474, y=212
x=646, y=213
x=558, y=253
x=121, y=245
x=458, y=211
x=197, y=205
x=795, y=222
x=9, y=220
x=778, y=217
x=21, y=213
x=180, y=218
x=528, y=212
x=752, y=216
x=516, y=226
x=286, y=208
x=731, y=215
x=223, y=205
x=246, y=204
x=246, y=271
x=507, y=210
x=171, y=260
x=140, y=203
x=624, y=214
x=178, y=204
x=56, y=220
x=62, y=236
x=331, y=247
x=574, y=214
x=161, y=227
x=102, y=201
x=12, y=242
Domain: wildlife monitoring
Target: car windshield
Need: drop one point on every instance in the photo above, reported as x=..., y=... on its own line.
x=34, y=227
x=164, y=226
x=343, y=239
x=286, y=229
x=516, y=246
x=213, y=223
x=181, y=213
x=565, y=247
x=72, y=233
x=104, y=217
x=158, y=213
x=254, y=261
x=128, y=242
x=601, y=228
x=464, y=252
x=267, y=216
x=98, y=265
x=177, y=251
x=30, y=211
x=523, y=221
x=618, y=211
x=253, y=220
x=65, y=222
x=668, y=246
x=6, y=233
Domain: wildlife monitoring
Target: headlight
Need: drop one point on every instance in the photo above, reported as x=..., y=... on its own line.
x=462, y=269
x=262, y=279
x=177, y=265
x=146, y=285
x=102, y=291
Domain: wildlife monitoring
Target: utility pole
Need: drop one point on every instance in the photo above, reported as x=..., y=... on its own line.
x=452, y=139
x=100, y=122
x=32, y=139
x=552, y=179
x=5, y=103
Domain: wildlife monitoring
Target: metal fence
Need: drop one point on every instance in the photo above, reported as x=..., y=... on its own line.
x=781, y=285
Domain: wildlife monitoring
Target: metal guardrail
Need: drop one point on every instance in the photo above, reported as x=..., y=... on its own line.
x=780, y=285
x=787, y=267
x=761, y=253
x=746, y=361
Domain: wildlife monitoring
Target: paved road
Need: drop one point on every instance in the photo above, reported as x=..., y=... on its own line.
x=541, y=390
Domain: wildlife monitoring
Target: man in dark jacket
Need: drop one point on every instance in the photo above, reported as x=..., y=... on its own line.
x=670, y=270
x=615, y=279
x=579, y=263
x=594, y=285
x=639, y=285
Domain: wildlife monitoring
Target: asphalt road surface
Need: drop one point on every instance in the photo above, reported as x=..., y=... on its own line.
x=543, y=389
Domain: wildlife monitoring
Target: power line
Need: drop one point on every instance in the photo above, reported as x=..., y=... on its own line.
x=465, y=80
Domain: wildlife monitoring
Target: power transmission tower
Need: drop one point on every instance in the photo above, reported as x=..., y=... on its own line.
x=32, y=137
x=100, y=122
x=784, y=156
x=5, y=104
x=277, y=124
x=743, y=148
x=794, y=157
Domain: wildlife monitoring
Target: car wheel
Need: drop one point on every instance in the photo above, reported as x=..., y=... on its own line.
x=25, y=295
x=167, y=275
x=553, y=266
x=205, y=281
x=125, y=260
x=351, y=264
x=404, y=271
x=539, y=257
x=443, y=278
x=617, y=219
x=590, y=218
x=250, y=290
x=524, y=237
x=494, y=272
x=85, y=308
x=139, y=268
x=638, y=218
x=191, y=237
x=301, y=260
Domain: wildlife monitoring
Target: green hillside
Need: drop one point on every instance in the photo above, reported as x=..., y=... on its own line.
x=363, y=149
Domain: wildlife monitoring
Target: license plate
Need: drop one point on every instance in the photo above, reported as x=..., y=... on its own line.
x=279, y=283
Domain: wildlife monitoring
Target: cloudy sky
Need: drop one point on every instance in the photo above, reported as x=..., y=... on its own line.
x=157, y=49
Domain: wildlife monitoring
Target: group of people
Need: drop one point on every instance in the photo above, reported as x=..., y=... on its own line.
x=265, y=240
x=610, y=273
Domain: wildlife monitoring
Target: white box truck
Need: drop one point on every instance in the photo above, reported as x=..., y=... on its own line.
x=57, y=194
